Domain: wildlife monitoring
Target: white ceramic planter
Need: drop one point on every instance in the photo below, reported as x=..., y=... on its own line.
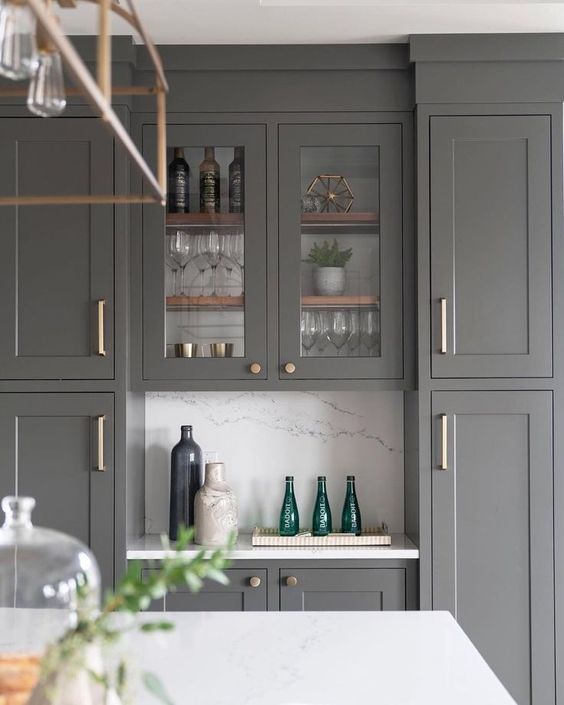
x=329, y=281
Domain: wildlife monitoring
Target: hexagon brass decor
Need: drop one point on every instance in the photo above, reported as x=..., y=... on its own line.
x=334, y=191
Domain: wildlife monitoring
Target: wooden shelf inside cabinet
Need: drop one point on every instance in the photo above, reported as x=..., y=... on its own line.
x=340, y=301
x=205, y=303
x=202, y=220
x=319, y=222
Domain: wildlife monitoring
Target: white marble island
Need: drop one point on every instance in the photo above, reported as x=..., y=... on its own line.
x=318, y=658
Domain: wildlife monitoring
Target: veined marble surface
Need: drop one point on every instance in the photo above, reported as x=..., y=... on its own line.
x=263, y=436
x=318, y=658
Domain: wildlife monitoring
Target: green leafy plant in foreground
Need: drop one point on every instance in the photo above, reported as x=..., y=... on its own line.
x=133, y=594
x=329, y=255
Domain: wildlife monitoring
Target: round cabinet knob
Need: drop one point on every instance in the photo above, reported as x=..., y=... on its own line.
x=289, y=368
x=291, y=581
x=254, y=581
x=255, y=368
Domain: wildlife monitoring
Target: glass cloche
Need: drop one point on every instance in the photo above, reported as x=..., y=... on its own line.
x=46, y=580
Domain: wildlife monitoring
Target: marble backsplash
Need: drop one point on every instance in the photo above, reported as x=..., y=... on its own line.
x=263, y=436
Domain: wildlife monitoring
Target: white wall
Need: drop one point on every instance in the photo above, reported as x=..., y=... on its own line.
x=264, y=436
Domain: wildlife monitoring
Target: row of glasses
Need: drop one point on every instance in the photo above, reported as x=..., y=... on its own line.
x=207, y=249
x=339, y=327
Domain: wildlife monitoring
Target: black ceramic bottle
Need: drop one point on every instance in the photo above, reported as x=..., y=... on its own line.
x=178, y=174
x=185, y=480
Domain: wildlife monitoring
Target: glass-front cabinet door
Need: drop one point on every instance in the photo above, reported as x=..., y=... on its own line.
x=340, y=249
x=204, y=260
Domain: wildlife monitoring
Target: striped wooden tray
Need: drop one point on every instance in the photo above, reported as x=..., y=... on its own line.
x=369, y=537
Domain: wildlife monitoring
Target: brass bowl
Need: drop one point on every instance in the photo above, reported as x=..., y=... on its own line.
x=221, y=349
x=186, y=349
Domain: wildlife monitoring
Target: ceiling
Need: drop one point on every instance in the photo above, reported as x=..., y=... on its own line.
x=323, y=21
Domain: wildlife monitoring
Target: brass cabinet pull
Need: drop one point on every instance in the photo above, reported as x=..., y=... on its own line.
x=101, y=467
x=444, y=442
x=255, y=368
x=101, y=340
x=254, y=582
x=291, y=581
x=443, y=326
x=289, y=368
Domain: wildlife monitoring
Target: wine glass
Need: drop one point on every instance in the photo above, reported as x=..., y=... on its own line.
x=354, y=339
x=173, y=266
x=310, y=329
x=370, y=329
x=339, y=330
x=180, y=249
x=237, y=248
x=212, y=253
x=324, y=325
x=225, y=252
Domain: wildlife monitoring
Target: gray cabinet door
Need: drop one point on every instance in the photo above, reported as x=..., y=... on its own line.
x=491, y=235
x=335, y=589
x=238, y=596
x=369, y=158
x=49, y=450
x=198, y=317
x=493, y=531
x=56, y=262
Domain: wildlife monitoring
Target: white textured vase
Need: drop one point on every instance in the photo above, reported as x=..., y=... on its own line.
x=215, y=508
x=329, y=281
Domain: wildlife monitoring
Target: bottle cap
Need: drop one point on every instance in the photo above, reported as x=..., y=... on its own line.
x=321, y=477
x=289, y=477
x=350, y=477
x=186, y=428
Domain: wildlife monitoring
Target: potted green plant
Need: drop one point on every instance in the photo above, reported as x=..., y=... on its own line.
x=329, y=271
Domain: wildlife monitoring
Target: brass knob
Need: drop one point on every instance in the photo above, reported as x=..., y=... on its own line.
x=255, y=368
x=289, y=368
x=254, y=581
x=291, y=581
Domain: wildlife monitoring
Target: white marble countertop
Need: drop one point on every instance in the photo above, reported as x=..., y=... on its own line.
x=149, y=548
x=318, y=658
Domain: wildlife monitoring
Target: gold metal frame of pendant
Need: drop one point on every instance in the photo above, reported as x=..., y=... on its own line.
x=99, y=93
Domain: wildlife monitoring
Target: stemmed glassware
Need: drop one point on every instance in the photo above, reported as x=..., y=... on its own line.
x=339, y=331
x=179, y=250
x=370, y=330
x=310, y=329
x=323, y=337
x=237, y=247
x=226, y=258
x=354, y=339
x=212, y=252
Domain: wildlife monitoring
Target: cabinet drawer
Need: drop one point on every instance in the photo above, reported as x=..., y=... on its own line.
x=341, y=589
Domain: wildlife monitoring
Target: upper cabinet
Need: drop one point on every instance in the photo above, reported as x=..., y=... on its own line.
x=56, y=262
x=204, y=265
x=324, y=215
x=340, y=251
x=491, y=246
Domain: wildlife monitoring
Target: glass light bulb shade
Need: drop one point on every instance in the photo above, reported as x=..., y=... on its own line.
x=18, y=49
x=47, y=580
x=46, y=95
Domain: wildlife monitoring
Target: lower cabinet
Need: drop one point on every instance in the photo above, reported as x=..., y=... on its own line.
x=279, y=587
x=493, y=531
x=330, y=589
x=58, y=448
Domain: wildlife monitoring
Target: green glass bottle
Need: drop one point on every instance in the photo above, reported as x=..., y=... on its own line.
x=289, y=516
x=351, y=521
x=321, y=522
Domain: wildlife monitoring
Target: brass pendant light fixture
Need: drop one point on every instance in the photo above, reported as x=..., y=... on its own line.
x=33, y=46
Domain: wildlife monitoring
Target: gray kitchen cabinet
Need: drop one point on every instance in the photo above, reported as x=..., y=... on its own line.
x=59, y=449
x=56, y=262
x=491, y=246
x=327, y=589
x=218, y=294
x=354, y=174
x=492, y=530
x=246, y=592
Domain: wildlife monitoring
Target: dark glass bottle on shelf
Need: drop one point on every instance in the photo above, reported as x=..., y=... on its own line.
x=210, y=199
x=351, y=521
x=185, y=480
x=237, y=182
x=289, y=516
x=178, y=183
x=321, y=522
